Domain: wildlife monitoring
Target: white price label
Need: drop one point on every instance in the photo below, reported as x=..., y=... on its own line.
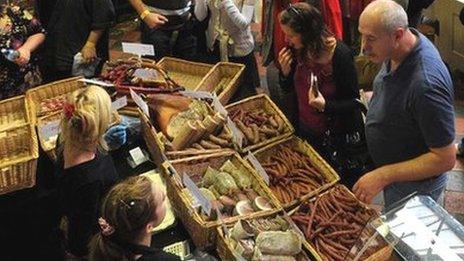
x=237, y=135
x=137, y=156
x=138, y=49
x=197, y=94
x=119, y=103
x=195, y=191
x=139, y=101
x=145, y=74
x=254, y=161
x=217, y=105
x=50, y=129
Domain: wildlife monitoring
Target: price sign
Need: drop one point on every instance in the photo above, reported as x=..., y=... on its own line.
x=138, y=49
x=119, y=103
x=195, y=191
x=137, y=156
x=237, y=135
x=50, y=129
x=197, y=94
x=255, y=163
x=217, y=105
x=139, y=101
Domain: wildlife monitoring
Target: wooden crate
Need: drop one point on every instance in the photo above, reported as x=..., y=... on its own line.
x=204, y=232
x=317, y=161
x=262, y=101
x=223, y=80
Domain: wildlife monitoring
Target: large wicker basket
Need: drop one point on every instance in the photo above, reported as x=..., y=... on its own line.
x=223, y=79
x=13, y=111
x=262, y=101
x=18, y=157
x=317, y=161
x=157, y=148
x=226, y=251
x=186, y=73
x=36, y=95
x=204, y=232
x=362, y=238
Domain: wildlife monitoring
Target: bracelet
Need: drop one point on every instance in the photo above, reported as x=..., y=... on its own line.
x=89, y=44
x=144, y=14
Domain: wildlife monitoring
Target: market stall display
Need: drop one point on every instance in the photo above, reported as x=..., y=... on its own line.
x=260, y=120
x=296, y=171
x=18, y=146
x=333, y=222
x=181, y=126
x=274, y=237
x=223, y=80
x=227, y=182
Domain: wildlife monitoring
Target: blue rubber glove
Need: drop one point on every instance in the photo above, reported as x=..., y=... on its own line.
x=116, y=136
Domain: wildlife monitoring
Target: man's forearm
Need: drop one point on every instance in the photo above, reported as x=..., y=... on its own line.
x=138, y=5
x=94, y=36
x=423, y=167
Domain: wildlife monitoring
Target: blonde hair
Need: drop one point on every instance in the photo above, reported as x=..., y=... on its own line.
x=87, y=119
x=128, y=208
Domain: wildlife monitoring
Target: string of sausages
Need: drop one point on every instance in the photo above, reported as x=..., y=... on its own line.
x=291, y=174
x=333, y=222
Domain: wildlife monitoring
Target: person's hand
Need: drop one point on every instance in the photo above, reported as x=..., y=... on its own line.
x=285, y=60
x=89, y=53
x=116, y=136
x=154, y=20
x=24, y=56
x=369, y=185
x=315, y=99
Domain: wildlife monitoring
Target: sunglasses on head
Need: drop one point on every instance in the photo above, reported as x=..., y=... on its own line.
x=292, y=9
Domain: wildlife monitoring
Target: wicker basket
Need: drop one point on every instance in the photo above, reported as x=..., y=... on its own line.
x=186, y=73
x=303, y=147
x=226, y=251
x=262, y=101
x=36, y=95
x=48, y=147
x=223, y=80
x=157, y=148
x=361, y=238
x=13, y=112
x=18, y=158
x=203, y=232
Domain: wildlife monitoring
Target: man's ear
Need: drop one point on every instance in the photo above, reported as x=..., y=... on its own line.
x=149, y=228
x=399, y=33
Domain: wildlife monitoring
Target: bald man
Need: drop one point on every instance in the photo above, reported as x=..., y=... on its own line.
x=410, y=122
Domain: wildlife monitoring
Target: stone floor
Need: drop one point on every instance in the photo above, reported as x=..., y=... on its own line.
x=454, y=194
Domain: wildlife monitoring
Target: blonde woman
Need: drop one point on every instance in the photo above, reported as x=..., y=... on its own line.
x=229, y=37
x=84, y=171
x=129, y=213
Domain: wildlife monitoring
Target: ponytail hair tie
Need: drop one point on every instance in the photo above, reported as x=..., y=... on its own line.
x=68, y=110
x=105, y=227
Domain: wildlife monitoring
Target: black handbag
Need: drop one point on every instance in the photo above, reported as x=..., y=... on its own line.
x=347, y=152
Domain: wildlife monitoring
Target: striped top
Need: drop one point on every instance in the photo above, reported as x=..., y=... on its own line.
x=229, y=24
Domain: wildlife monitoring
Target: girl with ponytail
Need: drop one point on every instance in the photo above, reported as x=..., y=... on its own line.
x=129, y=212
x=84, y=171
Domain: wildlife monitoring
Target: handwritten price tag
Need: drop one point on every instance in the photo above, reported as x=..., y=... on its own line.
x=139, y=101
x=237, y=135
x=197, y=94
x=50, y=129
x=138, y=49
x=119, y=103
x=255, y=163
x=217, y=105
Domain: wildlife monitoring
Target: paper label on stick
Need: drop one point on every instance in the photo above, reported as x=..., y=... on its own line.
x=195, y=191
x=217, y=105
x=237, y=135
x=197, y=94
x=137, y=156
x=138, y=49
x=139, y=101
x=50, y=129
x=254, y=161
x=96, y=82
x=119, y=103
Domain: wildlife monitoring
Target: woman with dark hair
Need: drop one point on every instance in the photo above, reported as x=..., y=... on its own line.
x=129, y=212
x=322, y=71
x=20, y=35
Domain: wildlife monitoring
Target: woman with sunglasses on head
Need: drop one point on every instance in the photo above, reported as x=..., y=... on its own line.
x=322, y=71
x=84, y=170
x=129, y=213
